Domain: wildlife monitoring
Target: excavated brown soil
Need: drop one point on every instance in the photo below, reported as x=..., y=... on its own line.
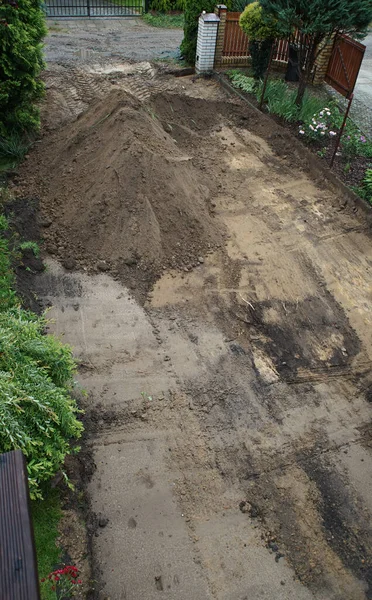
x=230, y=415
x=128, y=186
x=118, y=194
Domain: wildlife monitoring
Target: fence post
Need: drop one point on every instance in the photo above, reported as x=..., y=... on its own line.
x=206, y=43
x=220, y=11
x=322, y=60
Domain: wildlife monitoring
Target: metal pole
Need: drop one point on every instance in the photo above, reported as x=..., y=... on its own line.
x=267, y=75
x=338, y=139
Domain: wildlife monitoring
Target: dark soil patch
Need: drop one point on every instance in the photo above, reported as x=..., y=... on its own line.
x=345, y=528
x=22, y=214
x=303, y=330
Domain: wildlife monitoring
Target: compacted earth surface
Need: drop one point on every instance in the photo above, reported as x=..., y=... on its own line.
x=82, y=40
x=216, y=289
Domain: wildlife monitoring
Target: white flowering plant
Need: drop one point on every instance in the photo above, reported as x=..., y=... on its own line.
x=320, y=127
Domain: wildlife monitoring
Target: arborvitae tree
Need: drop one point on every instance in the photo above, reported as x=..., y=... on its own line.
x=193, y=10
x=260, y=28
x=317, y=21
x=22, y=28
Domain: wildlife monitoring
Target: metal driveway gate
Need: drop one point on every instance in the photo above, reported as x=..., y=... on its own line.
x=93, y=8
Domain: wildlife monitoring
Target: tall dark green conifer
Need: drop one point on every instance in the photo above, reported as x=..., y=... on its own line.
x=317, y=20
x=193, y=9
x=22, y=28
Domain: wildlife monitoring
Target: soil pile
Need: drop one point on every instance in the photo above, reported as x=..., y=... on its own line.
x=117, y=193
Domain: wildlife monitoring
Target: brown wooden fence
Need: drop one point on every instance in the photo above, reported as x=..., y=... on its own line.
x=344, y=64
x=236, y=43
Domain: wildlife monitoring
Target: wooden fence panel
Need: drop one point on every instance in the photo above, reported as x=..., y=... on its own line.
x=344, y=64
x=236, y=41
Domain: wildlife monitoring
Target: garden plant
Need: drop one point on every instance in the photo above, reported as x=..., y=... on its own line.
x=38, y=415
x=261, y=30
x=22, y=28
x=316, y=21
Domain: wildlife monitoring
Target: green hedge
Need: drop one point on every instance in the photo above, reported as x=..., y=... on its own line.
x=193, y=9
x=22, y=28
x=165, y=6
x=37, y=413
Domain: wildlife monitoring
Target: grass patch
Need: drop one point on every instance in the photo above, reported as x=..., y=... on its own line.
x=7, y=293
x=13, y=149
x=33, y=246
x=167, y=21
x=46, y=515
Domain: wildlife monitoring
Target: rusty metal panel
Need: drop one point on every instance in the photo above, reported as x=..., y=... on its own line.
x=18, y=567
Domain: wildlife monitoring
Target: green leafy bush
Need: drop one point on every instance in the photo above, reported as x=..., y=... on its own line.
x=261, y=31
x=242, y=82
x=164, y=6
x=314, y=105
x=239, y=5
x=22, y=28
x=257, y=24
x=14, y=146
x=280, y=98
x=193, y=10
x=169, y=21
x=281, y=101
x=37, y=413
x=320, y=126
x=365, y=190
x=354, y=143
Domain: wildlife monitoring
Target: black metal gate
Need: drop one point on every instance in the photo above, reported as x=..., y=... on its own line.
x=93, y=8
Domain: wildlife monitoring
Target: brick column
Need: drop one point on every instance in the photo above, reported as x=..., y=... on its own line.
x=220, y=11
x=322, y=60
x=206, y=44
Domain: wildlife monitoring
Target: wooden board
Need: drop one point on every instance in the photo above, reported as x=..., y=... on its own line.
x=18, y=567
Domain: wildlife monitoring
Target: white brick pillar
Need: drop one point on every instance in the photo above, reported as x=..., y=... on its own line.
x=206, y=44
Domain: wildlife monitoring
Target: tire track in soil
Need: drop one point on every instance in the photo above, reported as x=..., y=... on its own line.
x=253, y=367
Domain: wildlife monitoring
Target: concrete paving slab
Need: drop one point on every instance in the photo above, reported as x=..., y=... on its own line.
x=146, y=543
x=117, y=348
x=235, y=545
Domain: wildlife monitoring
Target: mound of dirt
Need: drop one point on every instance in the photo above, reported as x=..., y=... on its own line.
x=118, y=194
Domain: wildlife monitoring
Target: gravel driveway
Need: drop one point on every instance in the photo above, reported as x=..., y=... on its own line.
x=76, y=40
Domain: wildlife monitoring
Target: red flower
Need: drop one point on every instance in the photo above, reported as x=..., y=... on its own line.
x=42, y=580
x=79, y=581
